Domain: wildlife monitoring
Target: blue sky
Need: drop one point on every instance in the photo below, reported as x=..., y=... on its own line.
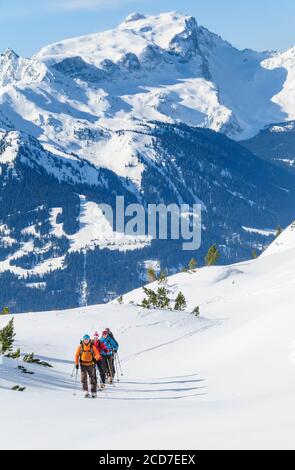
x=26, y=26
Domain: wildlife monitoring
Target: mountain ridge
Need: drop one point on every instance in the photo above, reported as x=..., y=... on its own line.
x=197, y=61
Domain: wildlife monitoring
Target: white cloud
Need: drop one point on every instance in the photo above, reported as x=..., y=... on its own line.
x=87, y=4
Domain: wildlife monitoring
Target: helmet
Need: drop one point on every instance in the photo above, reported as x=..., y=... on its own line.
x=105, y=333
x=86, y=338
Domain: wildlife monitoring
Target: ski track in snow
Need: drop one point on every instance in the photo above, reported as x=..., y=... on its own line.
x=59, y=380
x=123, y=389
x=188, y=335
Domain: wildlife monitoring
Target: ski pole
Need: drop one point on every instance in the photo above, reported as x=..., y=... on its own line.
x=75, y=387
x=118, y=358
x=117, y=367
x=113, y=372
x=99, y=370
x=108, y=366
x=72, y=374
x=95, y=365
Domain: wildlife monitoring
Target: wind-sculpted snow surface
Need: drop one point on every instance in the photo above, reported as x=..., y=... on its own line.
x=224, y=380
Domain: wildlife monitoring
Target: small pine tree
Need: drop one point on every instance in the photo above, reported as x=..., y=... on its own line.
x=162, y=279
x=196, y=311
x=31, y=359
x=14, y=355
x=278, y=231
x=254, y=254
x=145, y=303
x=192, y=264
x=151, y=274
x=180, y=302
x=151, y=300
x=162, y=298
x=5, y=311
x=7, y=335
x=157, y=299
x=212, y=256
x=120, y=299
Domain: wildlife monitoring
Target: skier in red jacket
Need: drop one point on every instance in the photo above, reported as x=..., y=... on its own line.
x=100, y=346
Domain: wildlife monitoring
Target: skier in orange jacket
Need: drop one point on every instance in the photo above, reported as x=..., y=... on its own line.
x=86, y=358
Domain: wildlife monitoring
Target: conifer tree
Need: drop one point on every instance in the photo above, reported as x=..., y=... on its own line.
x=157, y=299
x=7, y=335
x=151, y=300
x=151, y=274
x=212, y=256
x=5, y=311
x=278, y=231
x=162, y=298
x=180, y=302
x=162, y=279
x=192, y=264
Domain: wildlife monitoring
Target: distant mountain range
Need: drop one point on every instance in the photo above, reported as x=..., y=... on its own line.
x=148, y=111
x=275, y=143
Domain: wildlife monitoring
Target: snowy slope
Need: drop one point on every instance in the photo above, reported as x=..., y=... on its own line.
x=283, y=243
x=285, y=62
x=227, y=376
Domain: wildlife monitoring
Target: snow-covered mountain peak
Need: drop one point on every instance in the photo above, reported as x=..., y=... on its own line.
x=171, y=32
x=134, y=17
x=14, y=69
x=161, y=68
x=164, y=30
x=10, y=54
x=11, y=67
x=168, y=68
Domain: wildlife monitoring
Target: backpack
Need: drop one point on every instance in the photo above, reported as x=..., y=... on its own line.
x=86, y=354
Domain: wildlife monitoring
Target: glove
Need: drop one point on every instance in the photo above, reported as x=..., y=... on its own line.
x=115, y=351
x=77, y=366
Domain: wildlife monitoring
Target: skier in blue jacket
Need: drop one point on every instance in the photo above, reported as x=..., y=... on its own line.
x=108, y=357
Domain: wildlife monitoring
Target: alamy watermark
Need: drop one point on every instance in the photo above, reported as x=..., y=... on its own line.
x=157, y=221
